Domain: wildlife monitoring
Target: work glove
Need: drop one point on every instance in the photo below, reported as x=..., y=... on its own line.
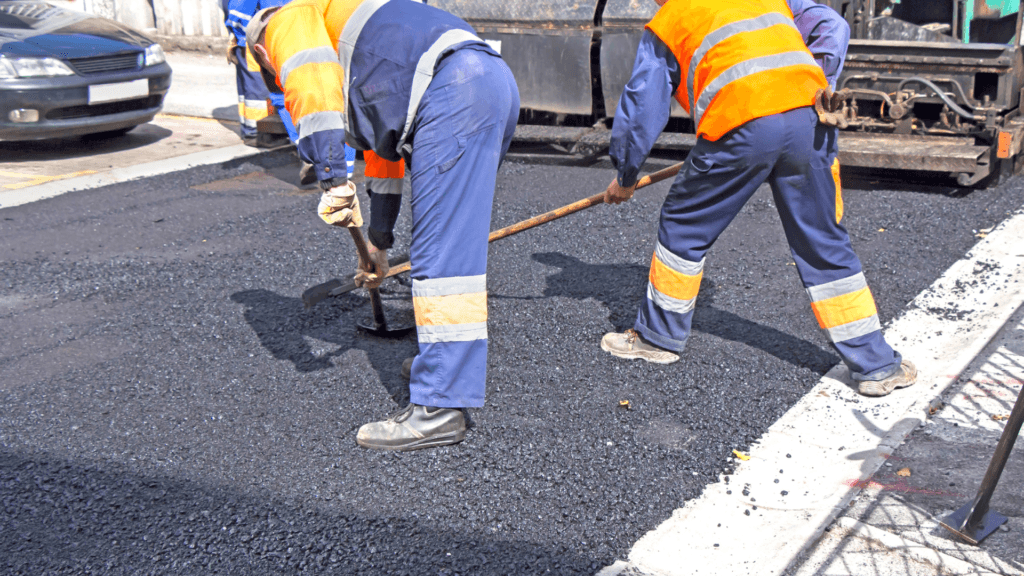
x=616, y=194
x=829, y=106
x=232, y=57
x=339, y=206
x=370, y=275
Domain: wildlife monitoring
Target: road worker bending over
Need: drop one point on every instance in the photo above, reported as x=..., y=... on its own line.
x=407, y=81
x=748, y=72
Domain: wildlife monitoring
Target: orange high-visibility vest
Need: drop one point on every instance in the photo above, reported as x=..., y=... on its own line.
x=739, y=60
x=377, y=167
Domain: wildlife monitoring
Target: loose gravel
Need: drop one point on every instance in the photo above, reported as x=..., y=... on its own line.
x=167, y=406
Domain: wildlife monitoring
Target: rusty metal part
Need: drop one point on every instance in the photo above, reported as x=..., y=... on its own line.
x=524, y=225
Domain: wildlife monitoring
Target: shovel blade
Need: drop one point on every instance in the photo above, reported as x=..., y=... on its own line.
x=385, y=330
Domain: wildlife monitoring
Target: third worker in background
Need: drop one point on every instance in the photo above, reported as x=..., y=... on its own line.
x=748, y=72
x=407, y=81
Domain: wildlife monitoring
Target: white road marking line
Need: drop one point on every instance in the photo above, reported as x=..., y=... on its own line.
x=119, y=175
x=825, y=448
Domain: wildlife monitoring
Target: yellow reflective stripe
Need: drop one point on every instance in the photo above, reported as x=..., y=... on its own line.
x=451, y=309
x=672, y=283
x=839, y=190
x=844, y=309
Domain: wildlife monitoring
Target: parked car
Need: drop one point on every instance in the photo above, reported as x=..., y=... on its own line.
x=66, y=73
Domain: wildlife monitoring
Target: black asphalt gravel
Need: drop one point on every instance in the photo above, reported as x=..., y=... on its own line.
x=167, y=406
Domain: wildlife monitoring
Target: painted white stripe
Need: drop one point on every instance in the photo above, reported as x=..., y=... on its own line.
x=425, y=73
x=320, y=122
x=350, y=34
x=318, y=55
x=726, y=32
x=678, y=264
x=837, y=287
x=449, y=286
x=669, y=303
x=748, y=68
x=833, y=439
x=385, y=185
x=452, y=333
x=9, y=199
x=852, y=330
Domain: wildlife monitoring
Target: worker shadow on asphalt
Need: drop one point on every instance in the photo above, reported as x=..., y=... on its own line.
x=71, y=517
x=289, y=332
x=620, y=286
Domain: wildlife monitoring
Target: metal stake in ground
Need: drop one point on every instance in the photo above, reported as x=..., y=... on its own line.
x=974, y=521
x=379, y=326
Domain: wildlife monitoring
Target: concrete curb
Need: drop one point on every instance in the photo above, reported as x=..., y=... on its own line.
x=811, y=463
x=216, y=45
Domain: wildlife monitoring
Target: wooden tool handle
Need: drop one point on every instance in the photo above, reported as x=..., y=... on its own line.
x=380, y=322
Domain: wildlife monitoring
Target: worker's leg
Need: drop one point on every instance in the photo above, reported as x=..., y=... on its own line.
x=808, y=195
x=717, y=180
x=462, y=129
x=252, y=95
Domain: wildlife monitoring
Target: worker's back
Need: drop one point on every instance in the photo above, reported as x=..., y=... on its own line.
x=739, y=60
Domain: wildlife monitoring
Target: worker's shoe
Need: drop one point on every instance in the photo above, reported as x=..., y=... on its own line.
x=307, y=175
x=630, y=344
x=904, y=376
x=249, y=141
x=413, y=428
x=407, y=367
x=268, y=140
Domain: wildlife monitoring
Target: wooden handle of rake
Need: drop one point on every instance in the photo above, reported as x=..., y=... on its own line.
x=557, y=213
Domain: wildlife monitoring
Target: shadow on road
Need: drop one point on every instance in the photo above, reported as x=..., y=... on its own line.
x=285, y=329
x=103, y=518
x=620, y=286
x=82, y=146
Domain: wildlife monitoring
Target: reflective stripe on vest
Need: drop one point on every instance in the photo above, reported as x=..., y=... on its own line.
x=747, y=68
x=450, y=309
x=318, y=55
x=424, y=67
x=845, y=308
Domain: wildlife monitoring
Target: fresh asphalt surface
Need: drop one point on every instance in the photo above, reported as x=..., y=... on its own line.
x=168, y=407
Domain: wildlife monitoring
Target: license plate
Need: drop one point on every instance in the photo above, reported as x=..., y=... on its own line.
x=100, y=93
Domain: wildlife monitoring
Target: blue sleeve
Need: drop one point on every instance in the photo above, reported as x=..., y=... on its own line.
x=239, y=12
x=644, y=107
x=825, y=33
x=384, y=210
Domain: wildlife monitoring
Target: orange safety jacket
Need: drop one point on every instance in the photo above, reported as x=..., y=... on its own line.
x=739, y=60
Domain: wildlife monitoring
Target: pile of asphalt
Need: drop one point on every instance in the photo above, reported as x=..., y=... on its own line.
x=167, y=406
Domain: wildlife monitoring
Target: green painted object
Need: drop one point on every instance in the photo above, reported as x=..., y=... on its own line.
x=987, y=8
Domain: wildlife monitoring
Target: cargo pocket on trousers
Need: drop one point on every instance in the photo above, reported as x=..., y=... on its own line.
x=451, y=162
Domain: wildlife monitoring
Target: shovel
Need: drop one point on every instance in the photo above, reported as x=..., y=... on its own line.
x=313, y=296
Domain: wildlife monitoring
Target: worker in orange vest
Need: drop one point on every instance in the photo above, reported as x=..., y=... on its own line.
x=749, y=73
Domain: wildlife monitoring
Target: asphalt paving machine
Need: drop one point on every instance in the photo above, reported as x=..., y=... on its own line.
x=935, y=84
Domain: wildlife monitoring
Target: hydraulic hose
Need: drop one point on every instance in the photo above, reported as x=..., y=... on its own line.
x=942, y=96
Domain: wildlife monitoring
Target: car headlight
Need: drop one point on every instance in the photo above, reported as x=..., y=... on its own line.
x=155, y=55
x=33, y=67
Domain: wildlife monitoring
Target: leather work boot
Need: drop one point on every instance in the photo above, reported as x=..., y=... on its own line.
x=905, y=376
x=413, y=428
x=407, y=368
x=630, y=344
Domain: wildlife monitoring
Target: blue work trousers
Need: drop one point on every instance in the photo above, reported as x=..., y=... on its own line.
x=797, y=157
x=460, y=135
x=252, y=95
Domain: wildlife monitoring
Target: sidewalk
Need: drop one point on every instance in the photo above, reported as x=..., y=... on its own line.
x=892, y=527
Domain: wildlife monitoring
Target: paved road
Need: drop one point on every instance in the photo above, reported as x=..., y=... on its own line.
x=168, y=407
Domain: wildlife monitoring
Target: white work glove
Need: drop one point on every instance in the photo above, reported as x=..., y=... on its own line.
x=371, y=275
x=340, y=206
x=829, y=106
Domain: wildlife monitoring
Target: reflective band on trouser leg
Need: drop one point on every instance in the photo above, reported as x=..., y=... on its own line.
x=254, y=111
x=845, y=308
x=667, y=308
x=385, y=185
x=450, y=309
